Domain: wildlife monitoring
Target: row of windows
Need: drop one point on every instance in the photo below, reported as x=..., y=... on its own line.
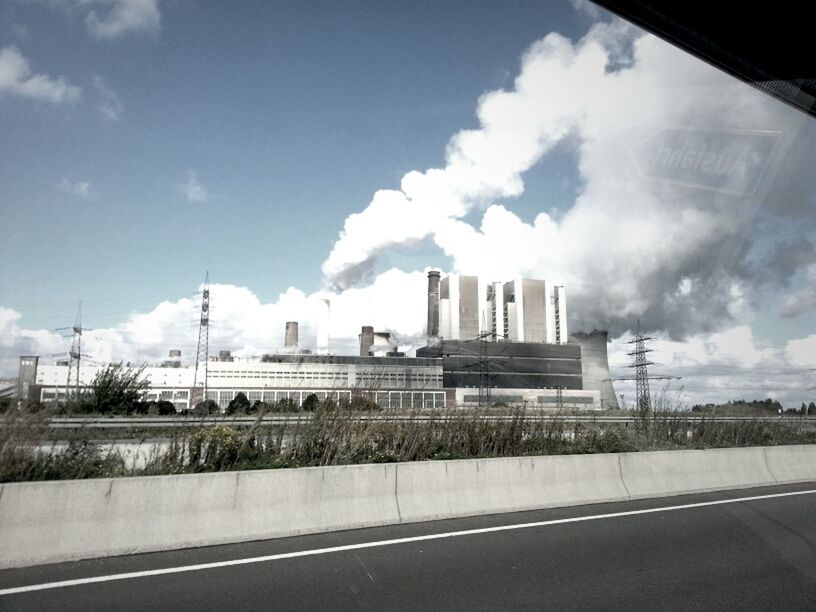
x=394, y=400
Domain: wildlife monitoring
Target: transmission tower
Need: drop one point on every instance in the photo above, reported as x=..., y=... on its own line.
x=640, y=364
x=75, y=354
x=202, y=355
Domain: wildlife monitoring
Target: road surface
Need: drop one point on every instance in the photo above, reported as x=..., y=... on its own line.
x=675, y=553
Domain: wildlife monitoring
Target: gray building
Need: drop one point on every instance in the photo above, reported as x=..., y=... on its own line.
x=512, y=365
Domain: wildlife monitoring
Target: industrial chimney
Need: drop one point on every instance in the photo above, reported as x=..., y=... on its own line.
x=291, y=338
x=366, y=340
x=324, y=314
x=433, y=304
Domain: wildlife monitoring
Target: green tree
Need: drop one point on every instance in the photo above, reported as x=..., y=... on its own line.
x=311, y=403
x=116, y=389
x=239, y=404
x=206, y=407
x=811, y=409
x=166, y=408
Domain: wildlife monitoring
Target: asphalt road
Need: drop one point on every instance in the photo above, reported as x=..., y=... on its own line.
x=755, y=554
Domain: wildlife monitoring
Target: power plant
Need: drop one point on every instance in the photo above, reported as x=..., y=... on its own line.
x=488, y=343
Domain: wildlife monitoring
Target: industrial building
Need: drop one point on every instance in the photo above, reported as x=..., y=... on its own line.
x=504, y=341
x=522, y=310
x=392, y=382
x=509, y=341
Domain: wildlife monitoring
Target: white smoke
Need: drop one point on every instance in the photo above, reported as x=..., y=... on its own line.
x=648, y=236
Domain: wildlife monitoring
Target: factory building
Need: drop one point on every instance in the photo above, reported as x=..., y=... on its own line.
x=522, y=310
x=392, y=382
x=510, y=339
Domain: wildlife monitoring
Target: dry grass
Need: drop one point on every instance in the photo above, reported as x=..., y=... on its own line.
x=337, y=437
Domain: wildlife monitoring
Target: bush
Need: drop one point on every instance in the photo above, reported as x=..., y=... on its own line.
x=311, y=403
x=115, y=389
x=166, y=408
x=358, y=403
x=239, y=404
x=214, y=448
x=206, y=408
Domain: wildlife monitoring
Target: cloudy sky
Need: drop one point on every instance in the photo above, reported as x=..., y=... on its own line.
x=305, y=149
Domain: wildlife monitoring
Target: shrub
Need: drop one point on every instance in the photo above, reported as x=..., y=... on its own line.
x=311, y=403
x=214, y=448
x=115, y=389
x=166, y=408
x=239, y=404
x=206, y=407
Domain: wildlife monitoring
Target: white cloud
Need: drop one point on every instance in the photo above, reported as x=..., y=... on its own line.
x=724, y=366
x=193, y=190
x=109, y=105
x=80, y=189
x=239, y=322
x=114, y=18
x=802, y=352
x=643, y=238
x=16, y=341
x=17, y=78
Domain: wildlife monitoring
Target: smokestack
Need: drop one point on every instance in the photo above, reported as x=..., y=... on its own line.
x=366, y=340
x=323, y=327
x=433, y=304
x=291, y=338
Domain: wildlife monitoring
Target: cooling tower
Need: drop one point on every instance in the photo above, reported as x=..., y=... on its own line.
x=595, y=366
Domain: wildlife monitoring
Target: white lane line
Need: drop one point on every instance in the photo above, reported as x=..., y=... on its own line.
x=435, y=536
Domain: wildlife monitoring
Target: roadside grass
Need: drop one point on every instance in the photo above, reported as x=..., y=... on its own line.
x=329, y=436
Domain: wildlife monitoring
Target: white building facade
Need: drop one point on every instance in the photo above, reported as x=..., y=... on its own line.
x=393, y=382
x=521, y=310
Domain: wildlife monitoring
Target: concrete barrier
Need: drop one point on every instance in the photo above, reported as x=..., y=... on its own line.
x=443, y=489
x=42, y=522
x=655, y=474
x=45, y=522
x=792, y=463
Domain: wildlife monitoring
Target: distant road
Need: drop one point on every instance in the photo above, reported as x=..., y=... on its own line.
x=165, y=422
x=752, y=549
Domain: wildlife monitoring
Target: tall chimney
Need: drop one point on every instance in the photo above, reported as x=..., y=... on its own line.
x=324, y=313
x=366, y=340
x=433, y=304
x=291, y=338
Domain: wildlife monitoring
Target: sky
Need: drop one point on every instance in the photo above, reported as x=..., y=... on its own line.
x=295, y=150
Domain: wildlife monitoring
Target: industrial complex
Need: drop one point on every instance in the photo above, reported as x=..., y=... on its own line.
x=487, y=343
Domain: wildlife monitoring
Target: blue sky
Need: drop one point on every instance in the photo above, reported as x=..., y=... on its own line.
x=290, y=114
x=146, y=141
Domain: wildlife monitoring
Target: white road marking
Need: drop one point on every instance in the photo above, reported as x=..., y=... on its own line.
x=435, y=536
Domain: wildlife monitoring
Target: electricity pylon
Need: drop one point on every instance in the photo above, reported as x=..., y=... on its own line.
x=199, y=391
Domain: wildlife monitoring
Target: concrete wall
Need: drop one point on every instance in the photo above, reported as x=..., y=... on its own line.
x=42, y=522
